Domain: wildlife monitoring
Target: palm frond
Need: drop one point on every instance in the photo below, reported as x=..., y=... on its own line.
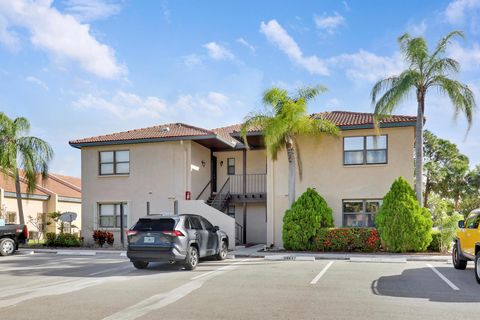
x=415, y=50
x=255, y=121
x=460, y=95
x=443, y=43
x=22, y=125
x=396, y=90
x=309, y=92
x=442, y=66
x=35, y=155
x=275, y=97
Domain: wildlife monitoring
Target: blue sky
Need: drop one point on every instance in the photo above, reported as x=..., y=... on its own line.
x=79, y=68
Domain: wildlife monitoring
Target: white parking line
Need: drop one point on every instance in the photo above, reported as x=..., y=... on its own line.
x=161, y=300
x=315, y=280
x=451, y=285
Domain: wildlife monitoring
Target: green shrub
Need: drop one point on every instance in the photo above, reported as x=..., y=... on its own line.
x=50, y=239
x=301, y=223
x=434, y=246
x=62, y=240
x=67, y=240
x=347, y=240
x=402, y=223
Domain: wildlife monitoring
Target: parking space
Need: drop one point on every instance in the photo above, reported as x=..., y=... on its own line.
x=107, y=287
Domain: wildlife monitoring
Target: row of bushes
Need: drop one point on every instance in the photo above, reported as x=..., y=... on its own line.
x=62, y=240
x=347, y=240
x=402, y=225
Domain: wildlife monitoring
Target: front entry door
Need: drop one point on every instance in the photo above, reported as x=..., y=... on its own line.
x=214, y=174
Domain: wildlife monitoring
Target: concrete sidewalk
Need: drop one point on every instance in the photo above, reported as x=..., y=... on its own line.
x=255, y=252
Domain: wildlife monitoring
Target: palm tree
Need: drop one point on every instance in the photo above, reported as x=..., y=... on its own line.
x=282, y=123
x=425, y=70
x=19, y=152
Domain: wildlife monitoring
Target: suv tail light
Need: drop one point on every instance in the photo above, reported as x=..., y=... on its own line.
x=25, y=232
x=174, y=233
x=131, y=232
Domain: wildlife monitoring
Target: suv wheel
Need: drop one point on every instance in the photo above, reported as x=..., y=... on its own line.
x=7, y=247
x=458, y=262
x=222, y=255
x=477, y=266
x=192, y=258
x=140, y=264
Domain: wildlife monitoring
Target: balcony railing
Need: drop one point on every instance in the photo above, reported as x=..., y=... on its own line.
x=254, y=184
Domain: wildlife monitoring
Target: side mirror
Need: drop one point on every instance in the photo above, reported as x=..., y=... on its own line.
x=461, y=224
x=215, y=228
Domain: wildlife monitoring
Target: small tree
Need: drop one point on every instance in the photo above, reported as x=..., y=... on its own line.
x=445, y=219
x=308, y=214
x=402, y=223
x=40, y=223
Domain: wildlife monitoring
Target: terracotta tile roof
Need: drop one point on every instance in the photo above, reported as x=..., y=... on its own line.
x=63, y=186
x=340, y=118
x=346, y=118
x=7, y=183
x=175, y=130
x=171, y=130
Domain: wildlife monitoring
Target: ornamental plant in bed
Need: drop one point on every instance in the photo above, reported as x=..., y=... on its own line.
x=307, y=216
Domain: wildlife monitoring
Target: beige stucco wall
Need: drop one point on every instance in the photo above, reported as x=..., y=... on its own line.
x=323, y=170
x=63, y=206
x=256, y=223
x=30, y=208
x=200, y=174
x=160, y=173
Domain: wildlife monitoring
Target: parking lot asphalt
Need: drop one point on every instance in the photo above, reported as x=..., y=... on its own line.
x=47, y=286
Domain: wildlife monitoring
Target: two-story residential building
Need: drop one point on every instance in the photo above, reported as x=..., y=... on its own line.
x=131, y=174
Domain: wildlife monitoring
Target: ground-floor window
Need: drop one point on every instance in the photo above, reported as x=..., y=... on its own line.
x=231, y=211
x=360, y=213
x=109, y=214
x=11, y=217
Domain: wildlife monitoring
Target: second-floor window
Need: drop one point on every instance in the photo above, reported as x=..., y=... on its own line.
x=231, y=166
x=114, y=162
x=365, y=150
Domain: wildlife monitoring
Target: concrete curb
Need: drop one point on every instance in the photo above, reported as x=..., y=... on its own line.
x=62, y=252
x=345, y=256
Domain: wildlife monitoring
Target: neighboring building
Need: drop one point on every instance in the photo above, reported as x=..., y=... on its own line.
x=144, y=171
x=56, y=193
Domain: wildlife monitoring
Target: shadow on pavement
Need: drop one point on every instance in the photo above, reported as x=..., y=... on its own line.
x=423, y=283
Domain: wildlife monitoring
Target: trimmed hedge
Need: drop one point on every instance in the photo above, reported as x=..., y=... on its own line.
x=347, y=240
x=402, y=223
x=301, y=223
x=62, y=240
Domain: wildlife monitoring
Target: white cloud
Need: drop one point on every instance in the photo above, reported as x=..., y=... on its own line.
x=246, y=44
x=457, y=10
x=91, y=10
x=279, y=37
x=60, y=35
x=37, y=81
x=192, y=60
x=329, y=23
x=127, y=106
x=467, y=57
x=417, y=29
x=214, y=102
x=218, y=52
x=346, y=6
x=124, y=105
x=365, y=66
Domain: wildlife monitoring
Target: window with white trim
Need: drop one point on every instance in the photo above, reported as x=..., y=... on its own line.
x=114, y=162
x=360, y=213
x=109, y=215
x=365, y=150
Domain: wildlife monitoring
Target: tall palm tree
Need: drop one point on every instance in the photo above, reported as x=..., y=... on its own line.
x=425, y=70
x=283, y=122
x=19, y=152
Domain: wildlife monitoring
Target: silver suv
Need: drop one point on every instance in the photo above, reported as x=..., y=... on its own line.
x=178, y=238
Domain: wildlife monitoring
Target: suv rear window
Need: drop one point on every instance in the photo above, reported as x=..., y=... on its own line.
x=155, y=225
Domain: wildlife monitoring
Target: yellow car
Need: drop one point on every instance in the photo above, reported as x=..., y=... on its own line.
x=467, y=243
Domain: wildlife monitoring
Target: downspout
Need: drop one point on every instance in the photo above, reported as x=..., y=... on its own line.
x=244, y=154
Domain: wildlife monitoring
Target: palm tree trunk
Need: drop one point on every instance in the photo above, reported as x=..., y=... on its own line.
x=19, y=198
x=291, y=171
x=419, y=148
x=426, y=194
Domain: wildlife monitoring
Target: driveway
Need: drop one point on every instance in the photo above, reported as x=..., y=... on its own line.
x=47, y=286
